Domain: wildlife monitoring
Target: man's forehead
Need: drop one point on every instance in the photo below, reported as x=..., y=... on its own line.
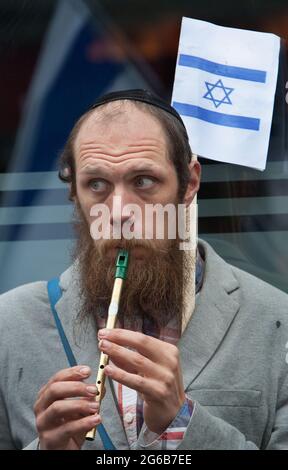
x=120, y=121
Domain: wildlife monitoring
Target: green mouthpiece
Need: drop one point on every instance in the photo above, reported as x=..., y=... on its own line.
x=122, y=264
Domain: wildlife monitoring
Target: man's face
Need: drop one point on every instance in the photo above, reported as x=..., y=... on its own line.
x=126, y=157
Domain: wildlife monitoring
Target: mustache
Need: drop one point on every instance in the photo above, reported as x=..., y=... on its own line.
x=103, y=246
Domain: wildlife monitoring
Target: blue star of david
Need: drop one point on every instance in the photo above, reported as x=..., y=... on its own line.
x=216, y=87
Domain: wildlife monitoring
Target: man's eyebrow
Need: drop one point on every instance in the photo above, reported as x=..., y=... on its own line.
x=144, y=168
x=91, y=170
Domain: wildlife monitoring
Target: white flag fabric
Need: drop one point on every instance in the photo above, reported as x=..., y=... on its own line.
x=224, y=90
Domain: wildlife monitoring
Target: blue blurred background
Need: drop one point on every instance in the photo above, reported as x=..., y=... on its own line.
x=56, y=58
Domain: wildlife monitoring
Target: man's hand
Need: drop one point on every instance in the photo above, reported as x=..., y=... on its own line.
x=66, y=409
x=153, y=370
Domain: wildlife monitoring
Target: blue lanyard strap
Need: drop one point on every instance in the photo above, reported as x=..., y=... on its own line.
x=54, y=294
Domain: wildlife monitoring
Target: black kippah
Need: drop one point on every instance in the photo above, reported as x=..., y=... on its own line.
x=146, y=96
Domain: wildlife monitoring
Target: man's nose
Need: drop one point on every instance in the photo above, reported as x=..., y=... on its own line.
x=118, y=215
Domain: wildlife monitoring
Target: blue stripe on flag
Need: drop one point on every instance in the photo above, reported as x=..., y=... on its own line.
x=228, y=120
x=224, y=70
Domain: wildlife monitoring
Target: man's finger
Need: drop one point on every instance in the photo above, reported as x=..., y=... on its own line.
x=148, y=387
x=154, y=349
x=61, y=390
x=131, y=361
x=57, y=438
x=81, y=372
x=65, y=410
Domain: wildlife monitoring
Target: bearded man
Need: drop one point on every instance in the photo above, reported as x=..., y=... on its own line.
x=216, y=381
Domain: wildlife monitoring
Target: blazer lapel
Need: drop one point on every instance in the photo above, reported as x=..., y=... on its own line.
x=216, y=306
x=84, y=344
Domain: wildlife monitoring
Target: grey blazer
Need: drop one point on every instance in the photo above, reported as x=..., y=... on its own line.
x=233, y=353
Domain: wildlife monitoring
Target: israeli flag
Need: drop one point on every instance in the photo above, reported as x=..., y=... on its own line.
x=224, y=90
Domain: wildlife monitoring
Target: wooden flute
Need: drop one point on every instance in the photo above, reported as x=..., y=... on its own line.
x=120, y=276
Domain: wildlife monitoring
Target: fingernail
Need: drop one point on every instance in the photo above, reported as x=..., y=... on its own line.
x=95, y=419
x=103, y=344
x=108, y=370
x=84, y=371
x=94, y=405
x=102, y=333
x=91, y=389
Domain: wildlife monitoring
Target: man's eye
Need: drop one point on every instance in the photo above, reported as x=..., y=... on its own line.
x=144, y=182
x=98, y=185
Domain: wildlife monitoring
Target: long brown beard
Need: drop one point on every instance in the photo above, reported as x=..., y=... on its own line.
x=154, y=285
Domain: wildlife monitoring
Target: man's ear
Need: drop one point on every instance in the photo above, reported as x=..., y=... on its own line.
x=194, y=182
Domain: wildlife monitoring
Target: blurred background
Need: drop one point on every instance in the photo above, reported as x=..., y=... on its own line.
x=56, y=57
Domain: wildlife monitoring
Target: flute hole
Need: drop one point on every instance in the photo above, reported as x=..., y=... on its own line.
x=99, y=382
x=102, y=367
x=98, y=393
